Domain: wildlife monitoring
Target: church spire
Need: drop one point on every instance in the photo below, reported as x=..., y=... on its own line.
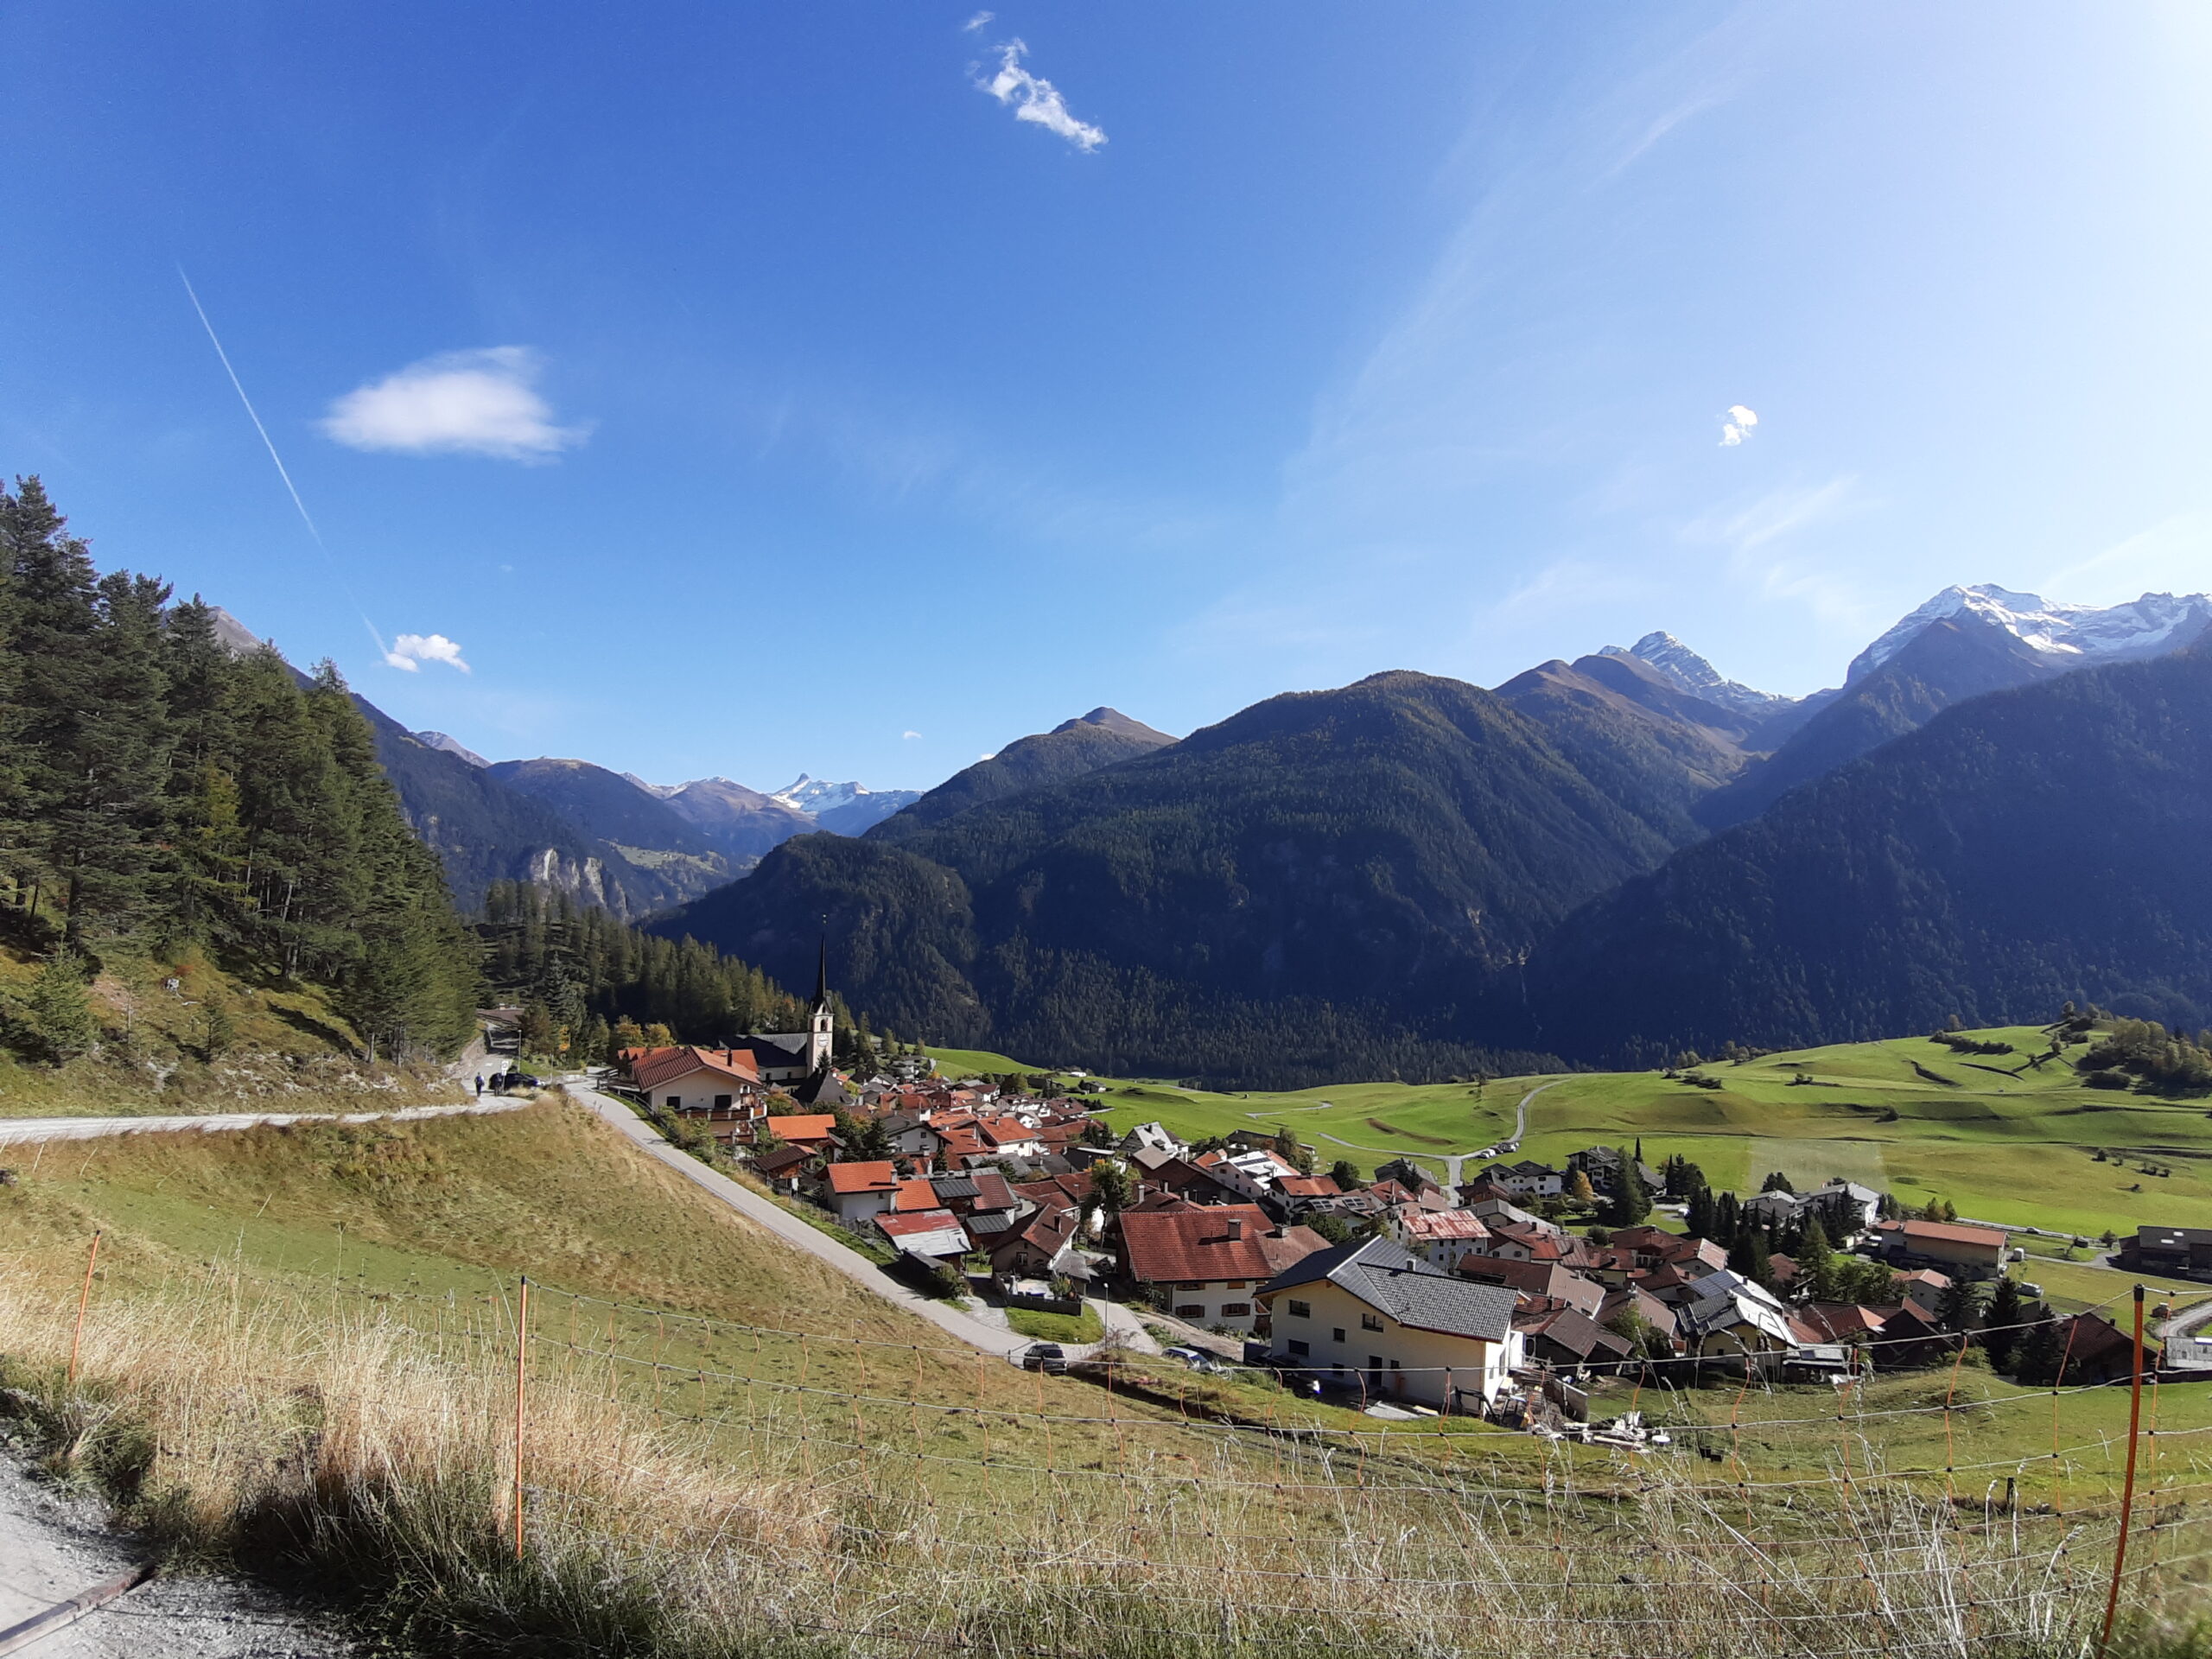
x=821, y=976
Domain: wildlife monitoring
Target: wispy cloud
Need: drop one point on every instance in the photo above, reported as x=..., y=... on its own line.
x=2173, y=555
x=1034, y=99
x=1736, y=425
x=1774, y=515
x=480, y=403
x=904, y=736
x=977, y=22
x=411, y=651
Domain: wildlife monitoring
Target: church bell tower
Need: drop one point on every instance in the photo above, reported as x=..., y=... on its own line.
x=821, y=1028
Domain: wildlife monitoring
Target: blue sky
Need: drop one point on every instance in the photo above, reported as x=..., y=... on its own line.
x=744, y=390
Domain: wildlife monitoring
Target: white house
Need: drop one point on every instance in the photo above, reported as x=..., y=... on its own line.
x=1438, y=1237
x=1526, y=1179
x=1368, y=1314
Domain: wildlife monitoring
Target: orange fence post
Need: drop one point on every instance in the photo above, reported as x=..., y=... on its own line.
x=521, y=1377
x=2128, y=1487
x=84, y=1298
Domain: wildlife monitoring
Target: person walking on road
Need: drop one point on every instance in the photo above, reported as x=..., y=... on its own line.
x=480, y=1085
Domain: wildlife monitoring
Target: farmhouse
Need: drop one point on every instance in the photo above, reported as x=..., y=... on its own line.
x=1439, y=1237
x=718, y=1084
x=1368, y=1314
x=858, y=1191
x=1204, y=1264
x=1963, y=1251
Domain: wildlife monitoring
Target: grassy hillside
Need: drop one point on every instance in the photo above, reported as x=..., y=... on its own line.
x=288, y=1048
x=300, y=1346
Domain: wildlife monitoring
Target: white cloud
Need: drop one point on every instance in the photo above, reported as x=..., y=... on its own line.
x=411, y=651
x=1037, y=100
x=993, y=755
x=1736, y=425
x=480, y=402
x=977, y=22
x=904, y=736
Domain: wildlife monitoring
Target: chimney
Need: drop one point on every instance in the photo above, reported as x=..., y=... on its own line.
x=1235, y=1229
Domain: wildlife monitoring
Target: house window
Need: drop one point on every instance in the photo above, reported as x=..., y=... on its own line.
x=1238, y=1284
x=1236, y=1310
x=721, y=1103
x=1302, y=1310
x=1337, y=1335
x=673, y=1102
x=1191, y=1284
x=1370, y=1321
x=1298, y=1349
x=1190, y=1312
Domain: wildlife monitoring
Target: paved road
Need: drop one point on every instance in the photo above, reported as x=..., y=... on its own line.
x=15, y=1130
x=977, y=1333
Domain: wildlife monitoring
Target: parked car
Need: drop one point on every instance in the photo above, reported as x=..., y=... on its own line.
x=1047, y=1356
x=1196, y=1359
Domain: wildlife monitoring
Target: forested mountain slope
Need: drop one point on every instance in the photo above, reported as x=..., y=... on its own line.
x=484, y=831
x=1632, y=731
x=1101, y=738
x=1355, y=862
x=2022, y=849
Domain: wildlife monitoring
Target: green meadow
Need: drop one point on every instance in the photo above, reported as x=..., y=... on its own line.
x=1998, y=1139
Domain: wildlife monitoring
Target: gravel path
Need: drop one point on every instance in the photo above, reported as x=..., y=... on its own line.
x=16, y=1130
x=52, y=1546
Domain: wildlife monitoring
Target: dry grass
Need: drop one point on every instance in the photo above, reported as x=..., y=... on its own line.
x=378, y=1456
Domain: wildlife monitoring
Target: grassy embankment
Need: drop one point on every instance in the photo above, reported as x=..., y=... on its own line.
x=287, y=1048
x=300, y=1347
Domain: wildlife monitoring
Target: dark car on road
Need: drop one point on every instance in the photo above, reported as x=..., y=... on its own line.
x=1044, y=1357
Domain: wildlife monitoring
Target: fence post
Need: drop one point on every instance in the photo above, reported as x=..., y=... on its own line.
x=521, y=1375
x=2128, y=1487
x=83, y=1298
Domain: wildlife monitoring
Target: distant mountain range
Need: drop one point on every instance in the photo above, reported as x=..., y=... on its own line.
x=1610, y=859
x=1411, y=873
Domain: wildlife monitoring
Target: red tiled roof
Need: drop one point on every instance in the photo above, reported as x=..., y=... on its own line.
x=915, y=1195
x=1952, y=1233
x=804, y=1127
x=1443, y=1224
x=1168, y=1246
x=1309, y=1186
x=655, y=1067
x=871, y=1177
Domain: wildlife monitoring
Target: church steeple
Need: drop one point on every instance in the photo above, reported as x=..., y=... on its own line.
x=821, y=1025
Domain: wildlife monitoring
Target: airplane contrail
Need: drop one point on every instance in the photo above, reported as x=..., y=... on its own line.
x=269, y=444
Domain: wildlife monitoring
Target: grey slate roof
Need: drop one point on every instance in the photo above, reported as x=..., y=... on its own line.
x=1391, y=1280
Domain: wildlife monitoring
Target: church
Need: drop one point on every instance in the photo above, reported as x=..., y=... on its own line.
x=790, y=1056
x=729, y=1086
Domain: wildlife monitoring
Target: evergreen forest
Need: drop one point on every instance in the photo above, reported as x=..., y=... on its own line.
x=159, y=790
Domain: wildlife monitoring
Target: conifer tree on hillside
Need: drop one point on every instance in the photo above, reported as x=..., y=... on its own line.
x=153, y=785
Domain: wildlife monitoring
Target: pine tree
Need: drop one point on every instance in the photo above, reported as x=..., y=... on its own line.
x=61, y=1015
x=1815, y=1260
x=1632, y=1201
x=2006, y=1308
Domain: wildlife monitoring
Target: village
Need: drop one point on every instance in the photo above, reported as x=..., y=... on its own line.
x=1519, y=1295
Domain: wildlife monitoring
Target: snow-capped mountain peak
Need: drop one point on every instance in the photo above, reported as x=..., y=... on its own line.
x=2075, y=635
x=1696, y=676
x=813, y=796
